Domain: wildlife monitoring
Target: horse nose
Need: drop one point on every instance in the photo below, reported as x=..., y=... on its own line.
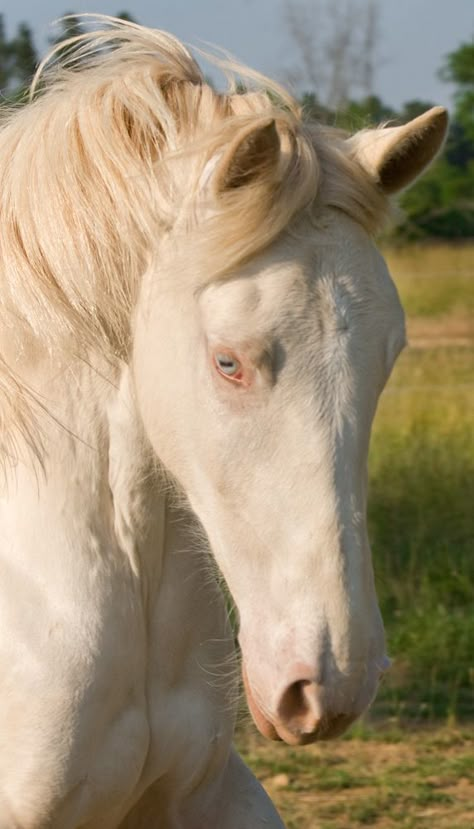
x=304, y=716
x=300, y=707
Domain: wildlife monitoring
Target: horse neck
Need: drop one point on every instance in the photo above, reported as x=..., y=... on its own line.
x=96, y=468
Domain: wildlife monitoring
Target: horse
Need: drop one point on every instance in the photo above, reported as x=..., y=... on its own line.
x=196, y=326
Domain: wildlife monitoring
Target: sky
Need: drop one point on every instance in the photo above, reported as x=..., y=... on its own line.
x=415, y=35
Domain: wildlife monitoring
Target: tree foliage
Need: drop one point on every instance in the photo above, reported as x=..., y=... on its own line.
x=19, y=57
x=18, y=60
x=442, y=202
x=336, y=47
x=458, y=69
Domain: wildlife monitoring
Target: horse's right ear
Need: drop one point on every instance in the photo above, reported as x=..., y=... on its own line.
x=395, y=156
x=253, y=154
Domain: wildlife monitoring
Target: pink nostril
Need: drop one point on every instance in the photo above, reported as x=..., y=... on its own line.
x=304, y=716
x=300, y=706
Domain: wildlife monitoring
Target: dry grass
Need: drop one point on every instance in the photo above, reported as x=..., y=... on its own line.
x=442, y=331
x=436, y=285
x=417, y=780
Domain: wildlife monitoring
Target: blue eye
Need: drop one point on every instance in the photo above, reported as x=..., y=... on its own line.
x=227, y=364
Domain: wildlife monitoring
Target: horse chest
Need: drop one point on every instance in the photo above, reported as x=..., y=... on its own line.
x=72, y=721
x=103, y=692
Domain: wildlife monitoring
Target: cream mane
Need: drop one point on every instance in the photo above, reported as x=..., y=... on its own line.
x=100, y=163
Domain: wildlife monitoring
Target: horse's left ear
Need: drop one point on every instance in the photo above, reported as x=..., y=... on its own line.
x=396, y=156
x=253, y=154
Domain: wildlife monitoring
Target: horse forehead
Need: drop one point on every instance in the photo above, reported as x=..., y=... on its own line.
x=255, y=300
x=315, y=274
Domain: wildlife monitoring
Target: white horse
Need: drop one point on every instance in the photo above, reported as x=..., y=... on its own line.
x=195, y=329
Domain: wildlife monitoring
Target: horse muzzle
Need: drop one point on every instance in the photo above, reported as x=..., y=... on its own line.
x=303, y=712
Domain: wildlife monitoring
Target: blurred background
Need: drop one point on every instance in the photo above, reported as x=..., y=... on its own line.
x=354, y=63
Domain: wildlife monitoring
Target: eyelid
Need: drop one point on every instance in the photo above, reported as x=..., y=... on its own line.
x=258, y=361
x=220, y=360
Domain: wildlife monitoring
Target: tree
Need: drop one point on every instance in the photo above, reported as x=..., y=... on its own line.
x=336, y=47
x=19, y=57
x=459, y=70
x=5, y=59
x=24, y=54
x=442, y=203
x=18, y=61
x=365, y=112
x=129, y=18
x=68, y=26
x=72, y=25
x=411, y=109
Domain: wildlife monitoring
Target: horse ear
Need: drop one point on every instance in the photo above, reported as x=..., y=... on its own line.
x=396, y=156
x=253, y=154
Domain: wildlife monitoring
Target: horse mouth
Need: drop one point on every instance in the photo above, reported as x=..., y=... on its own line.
x=261, y=720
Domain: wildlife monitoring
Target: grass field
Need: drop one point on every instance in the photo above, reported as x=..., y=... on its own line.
x=422, y=780
x=421, y=503
x=411, y=763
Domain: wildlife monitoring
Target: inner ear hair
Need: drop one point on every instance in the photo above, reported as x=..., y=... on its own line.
x=395, y=156
x=252, y=154
x=413, y=153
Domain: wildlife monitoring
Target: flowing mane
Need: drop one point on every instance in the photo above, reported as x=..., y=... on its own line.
x=104, y=158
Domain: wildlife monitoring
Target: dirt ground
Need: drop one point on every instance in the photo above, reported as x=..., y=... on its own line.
x=411, y=779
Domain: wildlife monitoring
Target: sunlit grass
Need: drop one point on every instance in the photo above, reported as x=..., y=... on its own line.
x=435, y=280
x=416, y=781
x=421, y=520
x=421, y=510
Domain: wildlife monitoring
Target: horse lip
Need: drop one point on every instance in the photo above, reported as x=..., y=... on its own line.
x=265, y=726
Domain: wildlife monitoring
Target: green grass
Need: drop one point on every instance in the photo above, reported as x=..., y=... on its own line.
x=421, y=523
x=425, y=779
x=421, y=498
